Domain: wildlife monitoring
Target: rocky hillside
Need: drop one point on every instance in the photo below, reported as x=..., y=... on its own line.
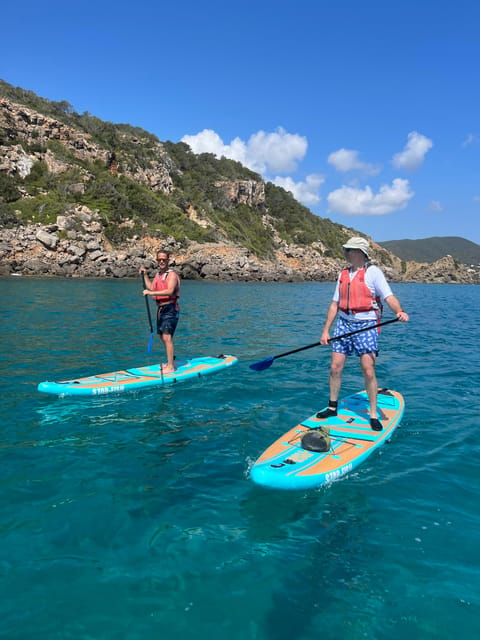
x=81, y=197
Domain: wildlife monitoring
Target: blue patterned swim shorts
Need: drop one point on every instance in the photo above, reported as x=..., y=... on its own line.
x=360, y=343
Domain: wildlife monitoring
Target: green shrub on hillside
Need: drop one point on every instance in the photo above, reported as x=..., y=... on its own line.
x=43, y=208
x=8, y=219
x=297, y=224
x=119, y=199
x=9, y=188
x=243, y=225
x=205, y=167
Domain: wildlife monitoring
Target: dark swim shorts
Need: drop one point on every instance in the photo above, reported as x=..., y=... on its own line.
x=167, y=319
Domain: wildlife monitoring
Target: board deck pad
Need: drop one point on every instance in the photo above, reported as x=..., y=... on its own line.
x=138, y=378
x=287, y=465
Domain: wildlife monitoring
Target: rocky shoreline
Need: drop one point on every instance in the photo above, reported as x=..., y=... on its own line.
x=60, y=251
x=76, y=247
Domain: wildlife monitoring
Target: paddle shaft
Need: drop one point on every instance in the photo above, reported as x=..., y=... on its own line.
x=344, y=335
x=150, y=341
x=148, y=306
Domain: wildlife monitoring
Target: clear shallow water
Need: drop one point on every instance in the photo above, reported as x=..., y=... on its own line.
x=132, y=516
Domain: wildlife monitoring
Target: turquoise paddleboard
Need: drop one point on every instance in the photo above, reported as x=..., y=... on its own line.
x=289, y=463
x=138, y=378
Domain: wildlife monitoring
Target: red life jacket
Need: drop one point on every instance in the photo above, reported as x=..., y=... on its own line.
x=160, y=283
x=355, y=296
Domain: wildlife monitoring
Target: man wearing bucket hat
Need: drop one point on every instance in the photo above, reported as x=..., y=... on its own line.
x=357, y=304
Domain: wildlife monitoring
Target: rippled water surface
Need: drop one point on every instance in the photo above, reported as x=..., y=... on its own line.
x=133, y=516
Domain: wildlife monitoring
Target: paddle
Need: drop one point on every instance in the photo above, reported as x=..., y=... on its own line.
x=152, y=333
x=264, y=364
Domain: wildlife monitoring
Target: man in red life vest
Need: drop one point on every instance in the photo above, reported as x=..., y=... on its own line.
x=357, y=303
x=165, y=289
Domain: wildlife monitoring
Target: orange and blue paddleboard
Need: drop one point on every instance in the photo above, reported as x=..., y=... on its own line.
x=138, y=378
x=289, y=463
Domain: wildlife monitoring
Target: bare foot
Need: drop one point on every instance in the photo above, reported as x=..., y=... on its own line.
x=167, y=368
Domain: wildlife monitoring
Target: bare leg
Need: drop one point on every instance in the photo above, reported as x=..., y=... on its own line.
x=336, y=369
x=169, y=350
x=367, y=361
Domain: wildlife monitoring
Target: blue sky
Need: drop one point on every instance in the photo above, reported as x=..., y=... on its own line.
x=368, y=111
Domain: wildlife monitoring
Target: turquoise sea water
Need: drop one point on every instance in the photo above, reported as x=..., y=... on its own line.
x=133, y=517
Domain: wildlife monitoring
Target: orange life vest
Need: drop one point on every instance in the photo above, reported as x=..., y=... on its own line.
x=355, y=296
x=160, y=283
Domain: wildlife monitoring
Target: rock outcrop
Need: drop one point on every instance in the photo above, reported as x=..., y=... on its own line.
x=249, y=192
x=447, y=270
x=37, y=131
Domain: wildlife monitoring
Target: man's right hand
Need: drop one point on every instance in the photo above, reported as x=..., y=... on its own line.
x=325, y=337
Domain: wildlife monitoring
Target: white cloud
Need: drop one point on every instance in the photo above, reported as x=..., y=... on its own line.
x=275, y=152
x=435, y=206
x=413, y=153
x=280, y=151
x=470, y=139
x=306, y=192
x=207, y=141
x=356, y=202
x=476, y=198
x=348, y=160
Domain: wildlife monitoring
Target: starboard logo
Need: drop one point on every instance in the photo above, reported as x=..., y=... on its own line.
x=338, y=473
x=104, y=390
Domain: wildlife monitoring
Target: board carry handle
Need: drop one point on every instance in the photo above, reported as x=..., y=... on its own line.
x=267, y=362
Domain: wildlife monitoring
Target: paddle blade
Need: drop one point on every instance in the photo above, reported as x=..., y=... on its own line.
x=150, y=343
x=263, y=364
